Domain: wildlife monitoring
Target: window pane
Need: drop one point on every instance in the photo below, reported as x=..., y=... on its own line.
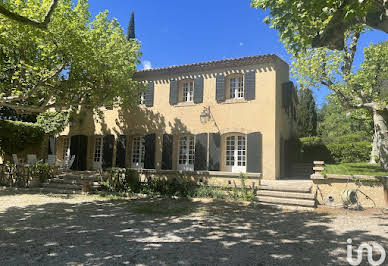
x=97, y=149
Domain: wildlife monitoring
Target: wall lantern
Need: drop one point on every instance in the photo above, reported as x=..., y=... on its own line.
x=205, y=115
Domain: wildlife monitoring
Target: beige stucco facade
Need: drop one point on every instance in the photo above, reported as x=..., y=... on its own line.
x=263, y=114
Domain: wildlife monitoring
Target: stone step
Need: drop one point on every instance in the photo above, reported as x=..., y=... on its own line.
x=286, y=201
x=287, y=207
x=56, y=190
x=285, y=188
x=72, y=181
x=62, y=186
x=285, y=194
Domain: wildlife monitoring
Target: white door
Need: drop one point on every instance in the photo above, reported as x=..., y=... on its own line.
x=186, y=155
x=138, y=151
x=97, y=157
x=235, y=158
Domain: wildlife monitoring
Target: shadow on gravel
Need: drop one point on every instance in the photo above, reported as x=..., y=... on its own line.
x=127, y=231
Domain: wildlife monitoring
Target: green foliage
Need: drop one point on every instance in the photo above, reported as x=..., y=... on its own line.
x=131, y=27
x=306, y=114
x=355, y=169
x=300, y=22
x=350, y=152
x=16, y=136
x=313, y=148
x=210, y=192
x=41, y=170
x=53, y=122
x=122, y=180
x=78, y=60
x=336, y=121
x=169, y=187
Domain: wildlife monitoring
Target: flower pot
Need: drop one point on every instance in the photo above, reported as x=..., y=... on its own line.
x=35, y=181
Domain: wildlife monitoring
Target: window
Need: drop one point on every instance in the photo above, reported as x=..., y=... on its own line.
x=236, y=87
x=186, y=153
x=235, y=157
x=141, y=98
x=66, y=147
x=188, y=91
x=138, y=151
x=97, y=158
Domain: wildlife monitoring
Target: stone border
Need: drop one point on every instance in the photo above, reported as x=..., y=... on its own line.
x=203, y=173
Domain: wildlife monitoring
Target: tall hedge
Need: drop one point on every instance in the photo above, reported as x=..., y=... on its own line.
x=313, y=148
x=15, y=136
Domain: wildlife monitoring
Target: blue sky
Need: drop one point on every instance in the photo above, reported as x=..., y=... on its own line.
x=182, y=32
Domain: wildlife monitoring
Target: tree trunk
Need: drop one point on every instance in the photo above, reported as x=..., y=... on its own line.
x=375, y=151
x=380, y=119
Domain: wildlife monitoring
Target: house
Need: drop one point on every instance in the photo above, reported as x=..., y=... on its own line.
x=230, y=116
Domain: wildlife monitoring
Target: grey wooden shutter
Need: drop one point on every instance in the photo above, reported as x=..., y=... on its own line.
x=220, y=88
x=173, y=92
x=149, y=155
x=198, y=90
x=149, y=95
x=120, y=151
x=214, y=151
x=200, y=152
x=254, y=152
x=167, y=152
x=78, y=148
x=250, y=85
x=107, y=151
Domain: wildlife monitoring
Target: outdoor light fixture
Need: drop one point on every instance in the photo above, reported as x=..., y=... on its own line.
x=205, y=115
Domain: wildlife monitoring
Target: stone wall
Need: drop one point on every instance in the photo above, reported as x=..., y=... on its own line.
x=330, y=188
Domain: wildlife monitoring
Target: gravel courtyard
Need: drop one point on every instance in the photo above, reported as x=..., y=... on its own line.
x=90, y=230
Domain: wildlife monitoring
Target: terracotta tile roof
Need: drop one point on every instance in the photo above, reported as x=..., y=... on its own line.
x=203, y=66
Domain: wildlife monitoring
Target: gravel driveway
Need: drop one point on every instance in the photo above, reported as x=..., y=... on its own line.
x=89, y=230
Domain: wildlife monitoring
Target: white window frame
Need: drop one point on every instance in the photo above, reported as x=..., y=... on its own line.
x=188, y=91
x=138, y=151
x=98, y=150
x=236, y=87
x=141, y=98
x=186, y=153
x=66, y=147
x=236, y=153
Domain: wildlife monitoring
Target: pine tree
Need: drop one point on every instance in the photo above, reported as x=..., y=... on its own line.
x=306, y=114
x=131, y=27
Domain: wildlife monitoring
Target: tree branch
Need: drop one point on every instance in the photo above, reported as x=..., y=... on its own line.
x=28, y=21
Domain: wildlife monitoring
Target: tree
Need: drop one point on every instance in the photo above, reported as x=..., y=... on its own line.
x=25, y=20
x=131, y=27
x=323, y=23
x=77, y=61
x=361, y=89
x=306, y=114
x=335, y=121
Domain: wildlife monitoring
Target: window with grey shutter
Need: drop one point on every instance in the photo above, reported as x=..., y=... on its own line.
x=149, y=154
x=167, y=152
x=220, y=88
x=173, y=92
x=200, y=152
x=214, y=151
x=254, y=152
x=107, y=151
x=198, y=90
x=120, y=151
x=250, y=85
x=149, y=95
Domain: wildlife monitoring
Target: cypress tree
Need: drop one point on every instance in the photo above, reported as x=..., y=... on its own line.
x=131, y=27
x=306, y=113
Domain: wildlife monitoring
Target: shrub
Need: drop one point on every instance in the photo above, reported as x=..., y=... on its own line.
x=41, y=170
x=15, y=135
x=122, y=180
x=350, y=152
x=210, y=192
x=173, y=187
